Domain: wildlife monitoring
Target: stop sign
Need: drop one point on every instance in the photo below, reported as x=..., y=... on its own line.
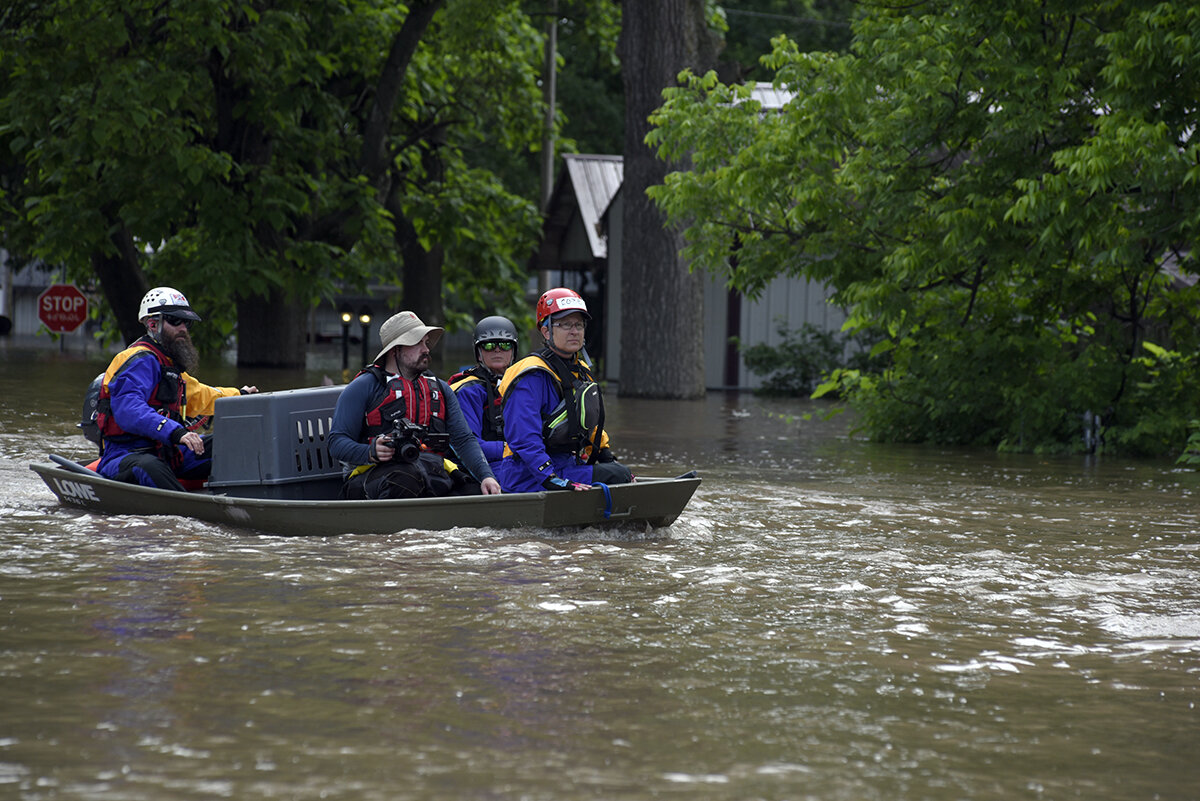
x=61, y=308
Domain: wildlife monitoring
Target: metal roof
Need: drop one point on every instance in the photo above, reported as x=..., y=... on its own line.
x=769, y=96
x=594, y=181
x=589, y=183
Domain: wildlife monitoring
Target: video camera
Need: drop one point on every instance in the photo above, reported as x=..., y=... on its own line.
x=407, y=437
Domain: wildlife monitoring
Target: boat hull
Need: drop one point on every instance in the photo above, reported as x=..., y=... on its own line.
x=651, y=502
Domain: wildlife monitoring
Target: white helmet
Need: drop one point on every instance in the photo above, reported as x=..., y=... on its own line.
x=164, y=300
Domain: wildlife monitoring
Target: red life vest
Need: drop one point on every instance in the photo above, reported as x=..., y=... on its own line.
x=168, y=398
x=420, y=401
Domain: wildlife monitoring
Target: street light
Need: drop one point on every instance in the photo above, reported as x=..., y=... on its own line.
x=347, y=316
x=364, y=317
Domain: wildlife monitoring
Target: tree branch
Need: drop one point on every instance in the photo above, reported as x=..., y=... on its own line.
x=375, y=156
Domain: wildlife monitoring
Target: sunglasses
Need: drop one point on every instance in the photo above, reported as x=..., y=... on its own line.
x=490, y=346
x=178, y=322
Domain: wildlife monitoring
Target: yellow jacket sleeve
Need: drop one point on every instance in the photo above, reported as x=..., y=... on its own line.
x=587, y=450
x=201, y=397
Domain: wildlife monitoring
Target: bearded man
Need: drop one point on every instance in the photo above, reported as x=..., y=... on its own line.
x=398, y=429
x=147, y=394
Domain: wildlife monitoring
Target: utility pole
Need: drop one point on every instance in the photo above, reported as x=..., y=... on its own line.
x=549, y=99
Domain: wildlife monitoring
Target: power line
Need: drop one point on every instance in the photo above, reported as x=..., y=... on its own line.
x=787, y=17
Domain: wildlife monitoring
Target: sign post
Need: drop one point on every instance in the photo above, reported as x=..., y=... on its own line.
x=62, y=308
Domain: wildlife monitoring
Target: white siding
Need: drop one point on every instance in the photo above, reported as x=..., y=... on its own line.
x=794, y=300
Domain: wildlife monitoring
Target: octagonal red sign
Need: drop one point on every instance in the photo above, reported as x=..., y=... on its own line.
x=62, y=308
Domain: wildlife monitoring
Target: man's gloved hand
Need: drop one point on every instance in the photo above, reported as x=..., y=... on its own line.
x=380, y=449
x=605, y=455
x=556, y=483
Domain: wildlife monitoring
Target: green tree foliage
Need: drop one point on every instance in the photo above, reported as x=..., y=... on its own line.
x=1191, y=455
x=268, y=149
x=1005, y=193
x=812, y=24
x=590, y=94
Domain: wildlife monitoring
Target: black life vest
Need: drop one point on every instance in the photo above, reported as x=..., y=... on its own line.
x=493, y=413
x=168, y=398
x=577, y=422
x=419, y=401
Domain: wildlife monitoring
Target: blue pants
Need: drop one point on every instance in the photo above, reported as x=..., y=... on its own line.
x=121, y=462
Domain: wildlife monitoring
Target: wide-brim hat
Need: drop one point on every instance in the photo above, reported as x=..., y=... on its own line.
x=405, y=328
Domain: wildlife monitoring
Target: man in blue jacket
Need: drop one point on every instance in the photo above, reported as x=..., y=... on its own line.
x=146, y=396
x=396, y=426
x=553, y=410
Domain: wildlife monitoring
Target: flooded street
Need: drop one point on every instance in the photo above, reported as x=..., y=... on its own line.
x=828, y=619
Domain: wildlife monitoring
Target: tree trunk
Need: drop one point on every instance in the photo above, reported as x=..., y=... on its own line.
x=122, y=280
x=421, y=269
x=662, y=304
x=376, y=157
x=271, y=331
x=421, y=277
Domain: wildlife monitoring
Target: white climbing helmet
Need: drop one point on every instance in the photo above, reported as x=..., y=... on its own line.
x=165, y=300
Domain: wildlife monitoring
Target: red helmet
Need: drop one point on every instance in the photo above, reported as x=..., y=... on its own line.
x=560, y=301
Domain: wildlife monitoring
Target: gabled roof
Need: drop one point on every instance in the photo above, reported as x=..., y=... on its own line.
x=585, y=189
x=595, y=179
x=581, y=194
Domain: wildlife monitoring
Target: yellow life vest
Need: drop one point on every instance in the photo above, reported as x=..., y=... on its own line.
x=576, y=423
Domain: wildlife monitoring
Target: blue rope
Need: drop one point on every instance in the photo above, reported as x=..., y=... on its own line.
x=607, y=499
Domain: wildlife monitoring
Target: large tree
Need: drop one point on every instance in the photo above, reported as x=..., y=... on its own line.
x=662, y=301
x=1004, y=196
x=259, y=155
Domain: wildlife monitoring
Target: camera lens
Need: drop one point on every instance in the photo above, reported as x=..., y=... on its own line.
x=408, y=451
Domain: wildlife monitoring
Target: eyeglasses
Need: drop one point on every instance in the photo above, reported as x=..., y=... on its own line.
x=490, y=346
x=576, y=326
x=178, y=322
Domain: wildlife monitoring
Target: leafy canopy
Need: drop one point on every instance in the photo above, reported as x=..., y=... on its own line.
x=1003, y=193
x=220, y=143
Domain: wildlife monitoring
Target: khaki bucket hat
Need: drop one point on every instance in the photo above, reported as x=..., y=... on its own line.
x=405, y=328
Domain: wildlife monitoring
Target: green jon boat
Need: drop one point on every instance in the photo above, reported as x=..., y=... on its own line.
x=288, y=484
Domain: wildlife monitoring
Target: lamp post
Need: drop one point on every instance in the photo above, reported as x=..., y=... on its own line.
x=364, y=317
x=347, y=316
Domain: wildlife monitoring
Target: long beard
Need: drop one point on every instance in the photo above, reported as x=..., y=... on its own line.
x=183, y=352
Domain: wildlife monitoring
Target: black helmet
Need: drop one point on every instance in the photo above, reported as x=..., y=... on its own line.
x=495, y=329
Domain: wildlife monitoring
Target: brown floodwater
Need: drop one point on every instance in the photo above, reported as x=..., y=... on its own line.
x=828, y=619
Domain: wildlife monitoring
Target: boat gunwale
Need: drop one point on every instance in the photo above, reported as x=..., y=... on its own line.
x=202, y=505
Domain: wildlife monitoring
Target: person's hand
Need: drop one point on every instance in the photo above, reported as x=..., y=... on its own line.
x=490, y=486
x=556, y=483
x=381, y=449
x=193, y=442
x=248, y=390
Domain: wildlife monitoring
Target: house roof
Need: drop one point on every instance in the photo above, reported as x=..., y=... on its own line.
x=769, y=96
x=595, y=179
x=585, y=189
x=581, y=194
